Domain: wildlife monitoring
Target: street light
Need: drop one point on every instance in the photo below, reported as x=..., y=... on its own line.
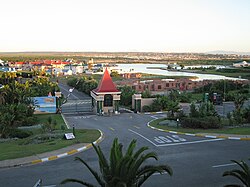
x=74, y=133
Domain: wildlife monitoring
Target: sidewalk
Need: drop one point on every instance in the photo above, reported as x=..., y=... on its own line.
x=44, y=156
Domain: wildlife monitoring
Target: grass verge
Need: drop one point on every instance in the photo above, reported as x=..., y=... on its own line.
x=225, y=130
x=18, y=148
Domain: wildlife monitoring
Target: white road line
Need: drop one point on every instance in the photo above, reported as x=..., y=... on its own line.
x=136, y=127
x=154, y=117
x=174, y=144
x=143, y=137
x=224, y=165
x=194, y=142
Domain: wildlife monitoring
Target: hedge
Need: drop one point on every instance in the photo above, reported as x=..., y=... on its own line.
x=208, y=122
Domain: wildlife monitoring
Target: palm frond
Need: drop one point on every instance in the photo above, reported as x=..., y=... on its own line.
x=147, y=171
x=243, y=175
x=156, y=169
x=103, y=163
x=94, y=173
x=242, y=164
x=144, y=178
x=237, y=174
x=137, y=164
x=131, y=148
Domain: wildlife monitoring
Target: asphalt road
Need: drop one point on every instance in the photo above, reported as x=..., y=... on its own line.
x=76, y=101
x=195, y=161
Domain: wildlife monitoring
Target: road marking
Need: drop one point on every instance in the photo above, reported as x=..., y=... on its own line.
x=136, y=127
x=174, y=140
x=224, y=165
x=154, y=117
x=142, y=137
x=81, y=117
x=111, y=129
x=174, y=144
x=185, y=143
x=162, y=139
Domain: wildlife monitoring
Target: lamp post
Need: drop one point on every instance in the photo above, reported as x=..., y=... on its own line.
x=74, y=130
x=224, y=98
x=177, y=120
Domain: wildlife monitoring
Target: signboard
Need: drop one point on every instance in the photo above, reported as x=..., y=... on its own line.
x=69, y=136
x=45, y=104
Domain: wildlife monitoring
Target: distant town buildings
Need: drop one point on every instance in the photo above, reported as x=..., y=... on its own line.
x=164, y=85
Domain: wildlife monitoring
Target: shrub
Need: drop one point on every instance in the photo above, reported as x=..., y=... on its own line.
x=146, y=108
x=42, y=138
x=246, y=114
x=17, y=133
x=202, y=123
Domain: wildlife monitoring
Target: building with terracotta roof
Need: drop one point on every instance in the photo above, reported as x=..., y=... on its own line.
x=106, y=97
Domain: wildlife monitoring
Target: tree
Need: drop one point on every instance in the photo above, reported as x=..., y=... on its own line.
x=126, y=95
x=2, y=97
x=114, y=74
x=123, y=170
x=193, y=111
x=173, y=107
x=242, y=174
x=12, y=116
x=146, y=94
x=239, y=100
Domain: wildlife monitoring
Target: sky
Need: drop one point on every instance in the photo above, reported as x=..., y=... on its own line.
x=125, y=25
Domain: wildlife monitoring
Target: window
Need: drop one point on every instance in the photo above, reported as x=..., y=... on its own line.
x=108, y=100
x=159, y=87
x=167, y=85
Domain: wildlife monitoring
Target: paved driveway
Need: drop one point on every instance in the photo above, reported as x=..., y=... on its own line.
x=196, y=161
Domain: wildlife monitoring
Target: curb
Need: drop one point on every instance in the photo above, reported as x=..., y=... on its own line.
x=71, y=152
x=130, y=111
x=197, y=135
x=161, y=112
x=66, y=123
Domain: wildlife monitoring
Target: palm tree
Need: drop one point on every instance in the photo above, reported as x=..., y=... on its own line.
x=239, y=100
x=123, y=170
x=2, y=97
x=173, y=107
x=243, y=175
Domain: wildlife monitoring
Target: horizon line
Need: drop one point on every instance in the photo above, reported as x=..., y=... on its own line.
x=208, y=52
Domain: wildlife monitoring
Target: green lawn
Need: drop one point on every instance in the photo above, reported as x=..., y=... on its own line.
x=236, y=130
x=42, y=118
x=19, y=148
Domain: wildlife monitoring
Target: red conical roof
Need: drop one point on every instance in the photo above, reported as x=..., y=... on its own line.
x=106, y=84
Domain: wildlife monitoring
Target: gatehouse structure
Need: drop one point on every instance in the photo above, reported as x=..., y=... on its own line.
x=106, y=97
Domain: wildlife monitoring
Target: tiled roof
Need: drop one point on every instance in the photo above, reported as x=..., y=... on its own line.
x=106, y=84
